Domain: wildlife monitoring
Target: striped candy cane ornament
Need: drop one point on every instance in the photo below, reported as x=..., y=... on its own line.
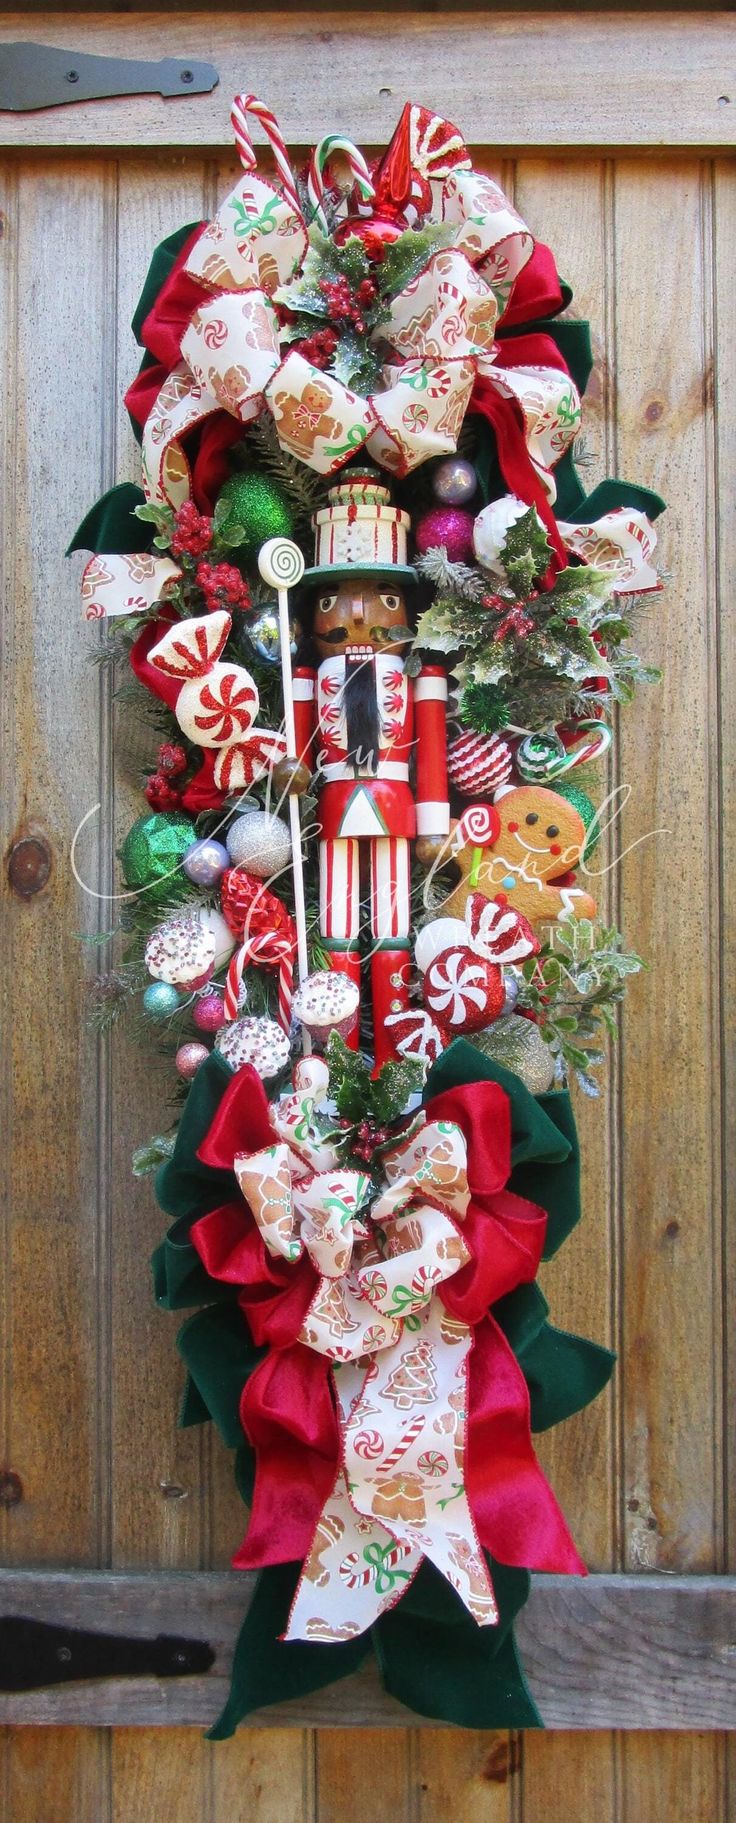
x=359, y=173
x=271, y=951
x=244, y=105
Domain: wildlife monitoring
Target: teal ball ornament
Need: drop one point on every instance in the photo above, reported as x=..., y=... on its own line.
x=252, y=508
x=585, y=808
x=160, y=1000
x=152, y=854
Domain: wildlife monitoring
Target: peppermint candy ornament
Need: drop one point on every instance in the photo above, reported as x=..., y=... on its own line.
x=497, y=932
x=463, y=991
x=478, y=762
x=414, y=1034
x=218, y=702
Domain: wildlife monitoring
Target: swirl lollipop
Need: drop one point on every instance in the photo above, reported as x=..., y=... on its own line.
x=282, y=566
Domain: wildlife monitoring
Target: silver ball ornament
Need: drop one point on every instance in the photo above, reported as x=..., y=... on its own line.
x=260, y=843
x=205, y=862
x=511, y=985
x=262, y=633
x=160, y=1000
x=189, y=1059
x=454, y=481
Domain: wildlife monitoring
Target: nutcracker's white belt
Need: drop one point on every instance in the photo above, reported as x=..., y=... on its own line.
x=334, y=772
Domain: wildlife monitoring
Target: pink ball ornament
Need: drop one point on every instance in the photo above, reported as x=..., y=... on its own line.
x=188, y=1059
x=209, y=1013
x=448, y=526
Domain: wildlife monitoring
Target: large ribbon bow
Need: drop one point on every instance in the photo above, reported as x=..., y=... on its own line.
x=439, y=335
x=372, y=1301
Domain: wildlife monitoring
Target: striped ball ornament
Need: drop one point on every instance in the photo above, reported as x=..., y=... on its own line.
x=478, y=762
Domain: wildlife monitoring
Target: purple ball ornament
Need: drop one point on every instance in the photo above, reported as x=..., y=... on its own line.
x=454, y=481
x=205, y=862
x=189, y=1058
x=448, y=526
x=209, y=1013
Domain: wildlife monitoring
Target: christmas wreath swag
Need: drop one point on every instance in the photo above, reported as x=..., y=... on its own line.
x=374, y=1009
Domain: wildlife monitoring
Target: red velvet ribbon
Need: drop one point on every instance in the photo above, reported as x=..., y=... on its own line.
x=288, y=1409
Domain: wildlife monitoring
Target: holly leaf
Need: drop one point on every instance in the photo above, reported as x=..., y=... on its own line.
x=525, y=552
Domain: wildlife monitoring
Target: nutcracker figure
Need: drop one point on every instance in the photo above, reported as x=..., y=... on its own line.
x=374, y=738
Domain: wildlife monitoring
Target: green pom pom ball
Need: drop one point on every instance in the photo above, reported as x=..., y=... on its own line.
x=152, y=853
x=584, y=806
x=256, y=507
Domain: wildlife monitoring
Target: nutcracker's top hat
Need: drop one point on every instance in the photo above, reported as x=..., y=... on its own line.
x=360, y=533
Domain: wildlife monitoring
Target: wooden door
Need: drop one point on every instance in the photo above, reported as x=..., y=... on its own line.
x=611, y=134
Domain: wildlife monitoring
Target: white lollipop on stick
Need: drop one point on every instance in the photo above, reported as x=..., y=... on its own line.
x=282, y=566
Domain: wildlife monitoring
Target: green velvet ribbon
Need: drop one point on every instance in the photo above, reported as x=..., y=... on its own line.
x=432, y=1655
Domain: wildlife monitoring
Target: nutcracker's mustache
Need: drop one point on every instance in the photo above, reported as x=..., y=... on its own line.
x=362, y=720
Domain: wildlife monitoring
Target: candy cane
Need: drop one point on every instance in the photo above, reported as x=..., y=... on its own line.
x=359, y=173
x=410, y=1436
x=270, y=950
x=244, y=105
x=380, y=1563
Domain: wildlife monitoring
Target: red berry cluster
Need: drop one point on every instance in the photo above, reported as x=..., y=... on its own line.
x=160, y=794
x=366, y=1138
x=222, y=586
x=192, y=532
x=343, y=307
x=318, y=348
x=172, y=759
x=159, y=790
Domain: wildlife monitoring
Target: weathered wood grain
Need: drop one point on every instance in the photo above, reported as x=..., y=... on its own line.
x=604, y=1651
x=539, y=80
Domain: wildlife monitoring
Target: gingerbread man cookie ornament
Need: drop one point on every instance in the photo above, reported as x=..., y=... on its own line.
x=519, y=852
x=302, y=420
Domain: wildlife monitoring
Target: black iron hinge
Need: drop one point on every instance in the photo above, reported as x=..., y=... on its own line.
x=47, y=76
x=34, y=1654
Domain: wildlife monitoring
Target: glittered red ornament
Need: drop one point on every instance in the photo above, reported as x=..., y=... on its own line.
x=249, y=908
x=448, y=526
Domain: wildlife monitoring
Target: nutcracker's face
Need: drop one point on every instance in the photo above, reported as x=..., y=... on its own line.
x=360, y=613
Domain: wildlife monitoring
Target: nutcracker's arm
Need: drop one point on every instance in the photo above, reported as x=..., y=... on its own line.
x=305, y=713
x=430, y=720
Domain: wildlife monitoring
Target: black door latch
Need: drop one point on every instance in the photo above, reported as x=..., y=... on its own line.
x=34, y=1654
x=47, y=76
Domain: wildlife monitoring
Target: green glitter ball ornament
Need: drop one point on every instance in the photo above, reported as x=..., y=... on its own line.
x=255, y=506
x=152, y=854
x=584, y=806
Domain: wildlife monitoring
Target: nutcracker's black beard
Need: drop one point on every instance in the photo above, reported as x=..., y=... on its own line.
x=362, y=720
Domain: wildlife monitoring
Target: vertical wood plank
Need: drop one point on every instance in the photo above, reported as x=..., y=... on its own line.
x=567, y=204
x=567, y=1776
x=59, y=353
x=724, y=240
x=265, y=1775
x=466, y=1774
x=159, y=1489
x=671, y=1237
x=361, y=1773
x=55, y=1775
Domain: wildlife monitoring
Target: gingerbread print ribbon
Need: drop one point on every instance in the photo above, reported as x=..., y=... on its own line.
x=400, y=1361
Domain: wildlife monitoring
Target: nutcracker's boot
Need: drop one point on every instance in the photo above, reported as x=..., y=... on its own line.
x=390, y=965
x=346, y=961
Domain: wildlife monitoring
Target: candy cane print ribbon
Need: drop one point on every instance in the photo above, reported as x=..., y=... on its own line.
x=401, y=1492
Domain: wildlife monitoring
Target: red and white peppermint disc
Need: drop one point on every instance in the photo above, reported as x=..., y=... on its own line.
x=182, y=951
x=478, y=762
x=260, y=1042
x=463, y=991
x=414, y=1034
x=219, y=709
x=498, y=932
